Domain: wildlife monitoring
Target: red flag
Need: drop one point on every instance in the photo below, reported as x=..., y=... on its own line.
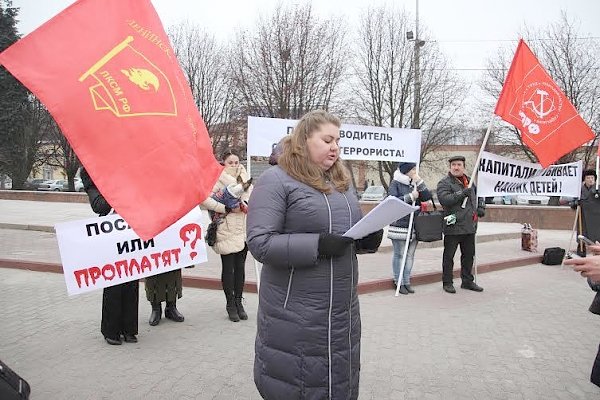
x=107, y=73
x=530, y=100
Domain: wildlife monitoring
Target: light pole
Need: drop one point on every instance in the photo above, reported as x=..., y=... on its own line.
x=416, y=122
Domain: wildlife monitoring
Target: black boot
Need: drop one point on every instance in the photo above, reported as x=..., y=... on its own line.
x=240, y=308
x=156, y=314
x=231, y=308
x=172, y=313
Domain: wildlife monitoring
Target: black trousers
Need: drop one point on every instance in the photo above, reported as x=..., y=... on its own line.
x=595, y=377
x=120, y=309
x=467, y=254
x=233, y=273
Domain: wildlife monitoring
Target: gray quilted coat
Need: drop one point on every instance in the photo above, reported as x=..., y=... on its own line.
x=308, y=337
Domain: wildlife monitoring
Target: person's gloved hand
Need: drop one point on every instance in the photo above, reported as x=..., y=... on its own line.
x=370, y=243
x=480, y=212
x=464, y=192
x=573, y=204
x=332, y=245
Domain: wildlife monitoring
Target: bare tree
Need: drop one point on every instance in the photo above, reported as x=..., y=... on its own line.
x=60, y=154
x=573, y=62
x=206, y=64
x=25, y=152
x=385, y=74
x=290, y=64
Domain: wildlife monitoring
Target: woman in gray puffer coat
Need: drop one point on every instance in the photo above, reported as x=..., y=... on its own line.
x=308, y=334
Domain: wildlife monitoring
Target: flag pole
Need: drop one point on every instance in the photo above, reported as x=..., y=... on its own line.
x=476, y=166
x=473, y=176
x=573, y=229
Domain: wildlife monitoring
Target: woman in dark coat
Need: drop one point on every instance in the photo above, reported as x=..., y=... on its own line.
x=119, y=302
x=308, y=337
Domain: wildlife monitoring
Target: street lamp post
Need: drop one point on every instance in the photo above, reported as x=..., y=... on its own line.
x=416, y=122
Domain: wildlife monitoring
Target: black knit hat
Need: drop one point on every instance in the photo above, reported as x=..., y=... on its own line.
x=405, y=167
x=589, y=172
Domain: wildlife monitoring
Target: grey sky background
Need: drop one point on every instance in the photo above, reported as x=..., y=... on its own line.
x=467, y=31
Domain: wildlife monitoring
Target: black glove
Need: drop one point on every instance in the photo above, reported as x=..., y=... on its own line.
x=574, y=204
x=370, y=243
x=480, y=212
x=466, y=192
x=332, y=245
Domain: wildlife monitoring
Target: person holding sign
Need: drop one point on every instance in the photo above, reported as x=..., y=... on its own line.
x=460, y=224
x=589, y=216
x=409, y=187
x=119, y=302
x=308, y=324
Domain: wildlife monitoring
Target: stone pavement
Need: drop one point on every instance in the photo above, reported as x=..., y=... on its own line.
x=26, y=233
x=527, y=336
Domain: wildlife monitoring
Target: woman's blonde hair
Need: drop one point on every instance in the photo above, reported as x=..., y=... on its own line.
x=296, y=161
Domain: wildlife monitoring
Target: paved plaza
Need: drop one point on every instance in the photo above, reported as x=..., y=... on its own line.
x=527, y=336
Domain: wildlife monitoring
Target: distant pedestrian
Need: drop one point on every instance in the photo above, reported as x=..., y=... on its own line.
x=460, y=224
x=119, y=302
x=408, y=186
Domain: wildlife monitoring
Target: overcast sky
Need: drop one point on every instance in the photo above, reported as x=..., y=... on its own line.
x=468, y=31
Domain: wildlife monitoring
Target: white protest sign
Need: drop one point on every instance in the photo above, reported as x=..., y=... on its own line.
x=501, y=176
x=101, y=252
x=357, y=142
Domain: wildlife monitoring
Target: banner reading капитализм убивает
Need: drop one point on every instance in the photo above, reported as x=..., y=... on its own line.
x=101, y=252
x=501, y=176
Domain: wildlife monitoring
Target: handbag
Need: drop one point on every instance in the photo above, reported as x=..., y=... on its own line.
x=211, y=234
x=429, y=225
x=553, y=256
x=529, y=239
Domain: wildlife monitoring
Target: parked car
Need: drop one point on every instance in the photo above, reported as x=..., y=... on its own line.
x=78, y=185
x=52, y=185
x=374, y=193
x=523, y=199
x=505, y=200
x=6, y=184
x=33, y=184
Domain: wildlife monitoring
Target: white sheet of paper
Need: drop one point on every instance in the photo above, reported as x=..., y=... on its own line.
x=386, y=212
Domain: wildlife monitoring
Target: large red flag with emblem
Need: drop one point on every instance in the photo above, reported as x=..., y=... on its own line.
x=107, y=73
x=530, y=100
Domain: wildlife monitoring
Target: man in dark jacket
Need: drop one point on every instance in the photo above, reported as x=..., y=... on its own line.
x=589, y=216
x=460, y=224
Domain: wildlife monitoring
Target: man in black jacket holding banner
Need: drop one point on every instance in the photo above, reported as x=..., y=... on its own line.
x=460, y=224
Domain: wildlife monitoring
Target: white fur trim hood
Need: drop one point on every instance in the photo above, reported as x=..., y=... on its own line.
x=400, y=177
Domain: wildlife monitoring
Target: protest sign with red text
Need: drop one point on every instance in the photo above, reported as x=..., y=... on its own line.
x=101, y=252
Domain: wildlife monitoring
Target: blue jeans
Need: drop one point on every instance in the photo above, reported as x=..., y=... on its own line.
x=397, y=259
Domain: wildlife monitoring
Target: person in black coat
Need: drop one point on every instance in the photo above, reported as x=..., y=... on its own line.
x=119, y=302
x=460, y=224
x=589, y=217
x=589, y=268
